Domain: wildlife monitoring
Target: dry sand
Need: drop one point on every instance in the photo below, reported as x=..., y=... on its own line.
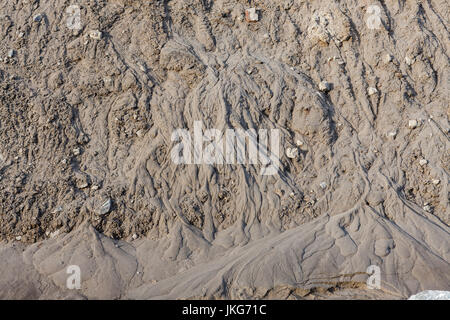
x=86, y=120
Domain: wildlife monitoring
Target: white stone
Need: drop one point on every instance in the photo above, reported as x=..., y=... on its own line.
x=392, y=134
x=387, y=58
x=372, y=91
x=412, y=124
x=292, y=153
x=251, y=15
x=409, y=61
x=95, y=34
x=423, y=162
x=76, y=151
x=11, y=53
x=323, y=185
x=436, y=181
x=324, y=86
x=18, y=238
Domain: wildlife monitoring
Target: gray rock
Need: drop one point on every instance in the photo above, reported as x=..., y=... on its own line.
x=105, y=207
x=37, y=18
x=325, y=86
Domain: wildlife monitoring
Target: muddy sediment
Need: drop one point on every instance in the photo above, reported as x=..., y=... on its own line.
x=86, y=122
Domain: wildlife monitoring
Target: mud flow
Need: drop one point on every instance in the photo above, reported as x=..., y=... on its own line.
x=273, y=149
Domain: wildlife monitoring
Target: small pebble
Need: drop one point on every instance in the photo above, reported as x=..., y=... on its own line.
x=292, y=153
x=37, y=18
x=372, y=91
x=251, y=15
x=392, y=134
x=95, y=34
x=387, y=58
x=105, y=207
x=409, y=61
x=412, y=124
x=324, y=86
x=423, y=162
x=82, y=185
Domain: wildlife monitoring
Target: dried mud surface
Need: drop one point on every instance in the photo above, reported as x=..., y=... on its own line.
x=84, y=121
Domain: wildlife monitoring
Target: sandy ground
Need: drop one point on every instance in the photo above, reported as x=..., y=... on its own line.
x=359, y=94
